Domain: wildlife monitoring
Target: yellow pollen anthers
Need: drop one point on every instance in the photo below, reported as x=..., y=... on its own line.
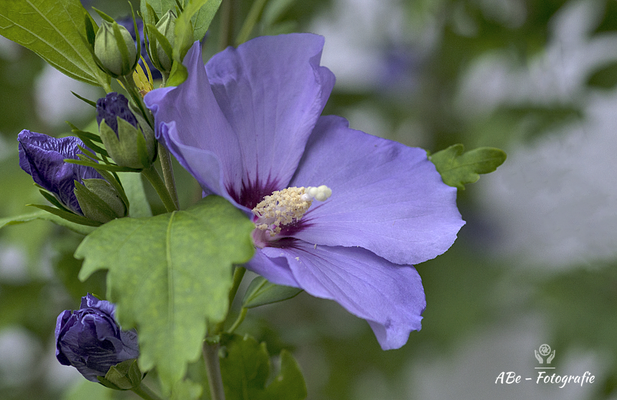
x=144, y=83
x=284, y=207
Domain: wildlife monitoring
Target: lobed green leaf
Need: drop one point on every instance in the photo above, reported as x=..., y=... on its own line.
x=53, y=30
x=186, y=390
x=169, y=275
x=458, y=167
x=246, y=371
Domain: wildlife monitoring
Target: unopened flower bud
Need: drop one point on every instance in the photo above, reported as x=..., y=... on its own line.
x=127, y=143
x=43, y=156
x=91, y=340
x=99, y=200
x=165, y=26
x=115, y=49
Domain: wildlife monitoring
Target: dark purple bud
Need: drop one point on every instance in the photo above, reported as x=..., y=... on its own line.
x=43, y=156
x=91, y=340
x=111, y=106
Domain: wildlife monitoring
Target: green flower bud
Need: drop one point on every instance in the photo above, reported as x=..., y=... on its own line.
x=165, y=26
x=123, y=376
x=114, y=49
x=130, y=147
x=126, y=142
x=99, y=200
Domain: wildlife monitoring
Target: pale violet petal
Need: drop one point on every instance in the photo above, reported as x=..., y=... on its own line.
x=386, y=197
x=390, y=297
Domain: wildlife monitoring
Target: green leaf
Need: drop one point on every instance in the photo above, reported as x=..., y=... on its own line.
x=261, y=292
x=104, y=167
x=195, y=20
x=458, y=168
x=169, y=275
x=185, y=34
x=246, y=371
x=134, y=188
x=604, y=77
x=186, y=390
x=67, y=215
x=274, y=10
x=203, y=18
x=46, y=216
x=53, y=30
x=85, y=389
x=160, y=7
x=200, y=19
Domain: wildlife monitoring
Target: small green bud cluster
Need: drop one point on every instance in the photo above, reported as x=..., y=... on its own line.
x=161, y=39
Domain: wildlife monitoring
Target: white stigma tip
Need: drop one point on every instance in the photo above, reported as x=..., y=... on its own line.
x=320, y=193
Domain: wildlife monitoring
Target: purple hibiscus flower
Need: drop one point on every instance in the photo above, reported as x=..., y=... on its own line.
x=91, y=340
x=43, y=156
x=248, y=128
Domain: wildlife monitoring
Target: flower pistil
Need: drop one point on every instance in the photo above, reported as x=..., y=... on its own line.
x=284, y=207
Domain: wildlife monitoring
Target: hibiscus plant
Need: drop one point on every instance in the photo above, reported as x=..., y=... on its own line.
x=299, y=199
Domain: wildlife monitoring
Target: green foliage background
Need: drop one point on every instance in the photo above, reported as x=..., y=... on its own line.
x=472, y=292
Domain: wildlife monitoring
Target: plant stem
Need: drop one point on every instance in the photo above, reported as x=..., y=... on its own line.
x=210, y=351
x=157, y=183
x=213, y=370
x=239, y=320
x=238, y=275
x=226, y=26
x=250, y=21
x=145, y=392
x=168, y=175
x=107, y=87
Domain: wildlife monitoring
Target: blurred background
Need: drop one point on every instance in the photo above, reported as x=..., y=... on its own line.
x=535, y=264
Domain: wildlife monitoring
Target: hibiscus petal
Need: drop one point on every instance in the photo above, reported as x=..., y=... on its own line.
x=240, y=125
x=191, y=125
x=390, y=297
x=271, y=90
x=275, y=269
x=386, y=197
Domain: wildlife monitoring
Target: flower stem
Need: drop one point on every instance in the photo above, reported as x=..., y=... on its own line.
x=106, y=87
x=226, y=26
x=238, y=275
x=145, y=392
x=157, y=183
x=239, y=320
x=213, y=370
x=168, y=174
x=210, y=351
x=250, y=21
